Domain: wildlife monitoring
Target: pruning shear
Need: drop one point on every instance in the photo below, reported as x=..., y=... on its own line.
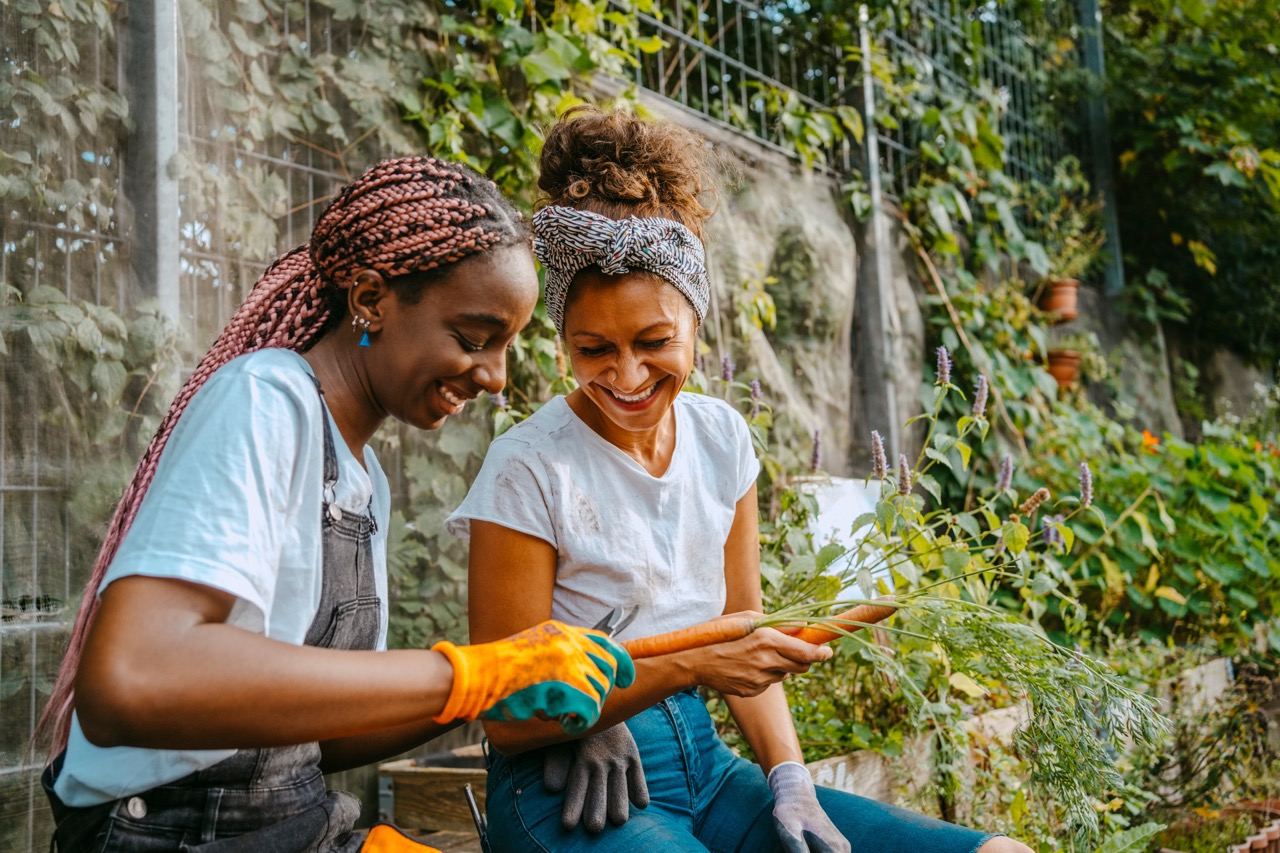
x=615, y=620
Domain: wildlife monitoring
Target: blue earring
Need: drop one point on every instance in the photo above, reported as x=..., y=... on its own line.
x=358, y=323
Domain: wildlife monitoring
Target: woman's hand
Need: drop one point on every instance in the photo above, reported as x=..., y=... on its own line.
x=803, y=827
x=746, y=667
x=552, y=669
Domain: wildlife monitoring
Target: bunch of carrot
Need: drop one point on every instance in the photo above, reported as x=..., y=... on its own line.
x=730, y=628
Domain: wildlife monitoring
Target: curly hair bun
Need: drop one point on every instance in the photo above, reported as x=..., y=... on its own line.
x=618, y=165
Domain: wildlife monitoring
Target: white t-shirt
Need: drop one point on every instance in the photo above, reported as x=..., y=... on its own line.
x=622, y=536
x=235, y=505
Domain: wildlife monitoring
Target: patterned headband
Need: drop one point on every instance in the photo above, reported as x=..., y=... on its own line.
x=567, y=240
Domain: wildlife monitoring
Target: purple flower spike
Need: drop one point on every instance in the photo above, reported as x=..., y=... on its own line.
x=756, y=394
x=726, y=368
x=879, y=462
x=1005, y=480
x=815, y=461
x=500, y=400
x=1052, y=535
x=980, y=397
x=944, y=366
x=904, y=475
x=1086, y=485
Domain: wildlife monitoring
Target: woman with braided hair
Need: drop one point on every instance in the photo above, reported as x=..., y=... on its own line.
x=630, y=492
x=230, y=646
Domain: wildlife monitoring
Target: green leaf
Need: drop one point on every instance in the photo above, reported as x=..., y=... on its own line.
x=966, y=685
x=930, y=484
x=862, y=521
x=1131, y=840
x=1213, y=501
x=44, y=343
x=938, y=213
x=108, y=378
x=1016, y=536
x=1148, y=541
x=885, y=515
x=939, y=457
x=652, y=44
x=956, y=560
x=966, y=522
x=544, y=65
x=829, y=554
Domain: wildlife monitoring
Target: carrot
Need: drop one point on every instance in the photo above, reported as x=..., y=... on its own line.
x=826, y=632
x=723, y=630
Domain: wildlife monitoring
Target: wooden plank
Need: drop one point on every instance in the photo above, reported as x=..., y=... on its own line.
x=432, y=798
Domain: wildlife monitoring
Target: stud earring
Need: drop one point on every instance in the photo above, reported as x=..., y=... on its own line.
x=361, y=324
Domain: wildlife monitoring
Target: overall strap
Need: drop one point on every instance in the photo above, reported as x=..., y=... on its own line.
x=330, y=452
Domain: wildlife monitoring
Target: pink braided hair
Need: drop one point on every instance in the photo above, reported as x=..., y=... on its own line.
x=408, y=219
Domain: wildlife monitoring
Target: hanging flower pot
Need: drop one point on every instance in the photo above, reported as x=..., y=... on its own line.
x=1064, y=366
x=1060, y=297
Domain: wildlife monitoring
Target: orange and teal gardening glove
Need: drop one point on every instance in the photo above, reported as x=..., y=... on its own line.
x=552, y=669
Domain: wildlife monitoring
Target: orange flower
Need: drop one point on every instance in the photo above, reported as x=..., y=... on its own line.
x=1149, y=442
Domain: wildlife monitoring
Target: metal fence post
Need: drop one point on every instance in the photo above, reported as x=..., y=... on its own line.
x=1099, y=131
x=878, y=345
x=152, y=85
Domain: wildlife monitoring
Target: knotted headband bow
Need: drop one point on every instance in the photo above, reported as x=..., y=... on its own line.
x=567, y=240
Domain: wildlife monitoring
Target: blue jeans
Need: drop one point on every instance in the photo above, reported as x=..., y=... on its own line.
x=702, y=798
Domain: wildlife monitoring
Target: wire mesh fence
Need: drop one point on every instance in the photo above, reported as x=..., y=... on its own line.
x=73, y=240
x=731, y=61
x=754, y=67
x=976, y=52
x=82, y=244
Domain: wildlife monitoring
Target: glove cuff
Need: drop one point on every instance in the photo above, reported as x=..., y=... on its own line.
x=457, y=707
x=790, y=780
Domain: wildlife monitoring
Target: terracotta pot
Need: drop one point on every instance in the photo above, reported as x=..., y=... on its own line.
x=1060, y=297
x=1064, y=365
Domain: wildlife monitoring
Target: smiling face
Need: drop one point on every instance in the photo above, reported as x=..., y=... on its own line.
x=631, y=341
x=432, y=355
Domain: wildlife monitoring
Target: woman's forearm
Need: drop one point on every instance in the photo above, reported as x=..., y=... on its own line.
x=259, y=692
x=765, y=721
x=181, y=678
x=750, y=666
x=359, y=750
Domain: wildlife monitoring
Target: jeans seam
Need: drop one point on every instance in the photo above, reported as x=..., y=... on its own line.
x=673, y=717
x=212, y=807
x=515, y=805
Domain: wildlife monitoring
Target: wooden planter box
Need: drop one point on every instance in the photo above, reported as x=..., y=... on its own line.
x=428, y=793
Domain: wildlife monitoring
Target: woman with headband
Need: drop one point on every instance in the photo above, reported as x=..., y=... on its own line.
x=230, y=647
x=628, y=492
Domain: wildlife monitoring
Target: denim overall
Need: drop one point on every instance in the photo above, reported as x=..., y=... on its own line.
x=270, y=800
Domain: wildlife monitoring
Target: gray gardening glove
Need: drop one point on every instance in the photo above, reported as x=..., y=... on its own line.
x=803, y=827
x=602, y=772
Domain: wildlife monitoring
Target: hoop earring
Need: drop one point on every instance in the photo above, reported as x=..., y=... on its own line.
x=361, y=324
